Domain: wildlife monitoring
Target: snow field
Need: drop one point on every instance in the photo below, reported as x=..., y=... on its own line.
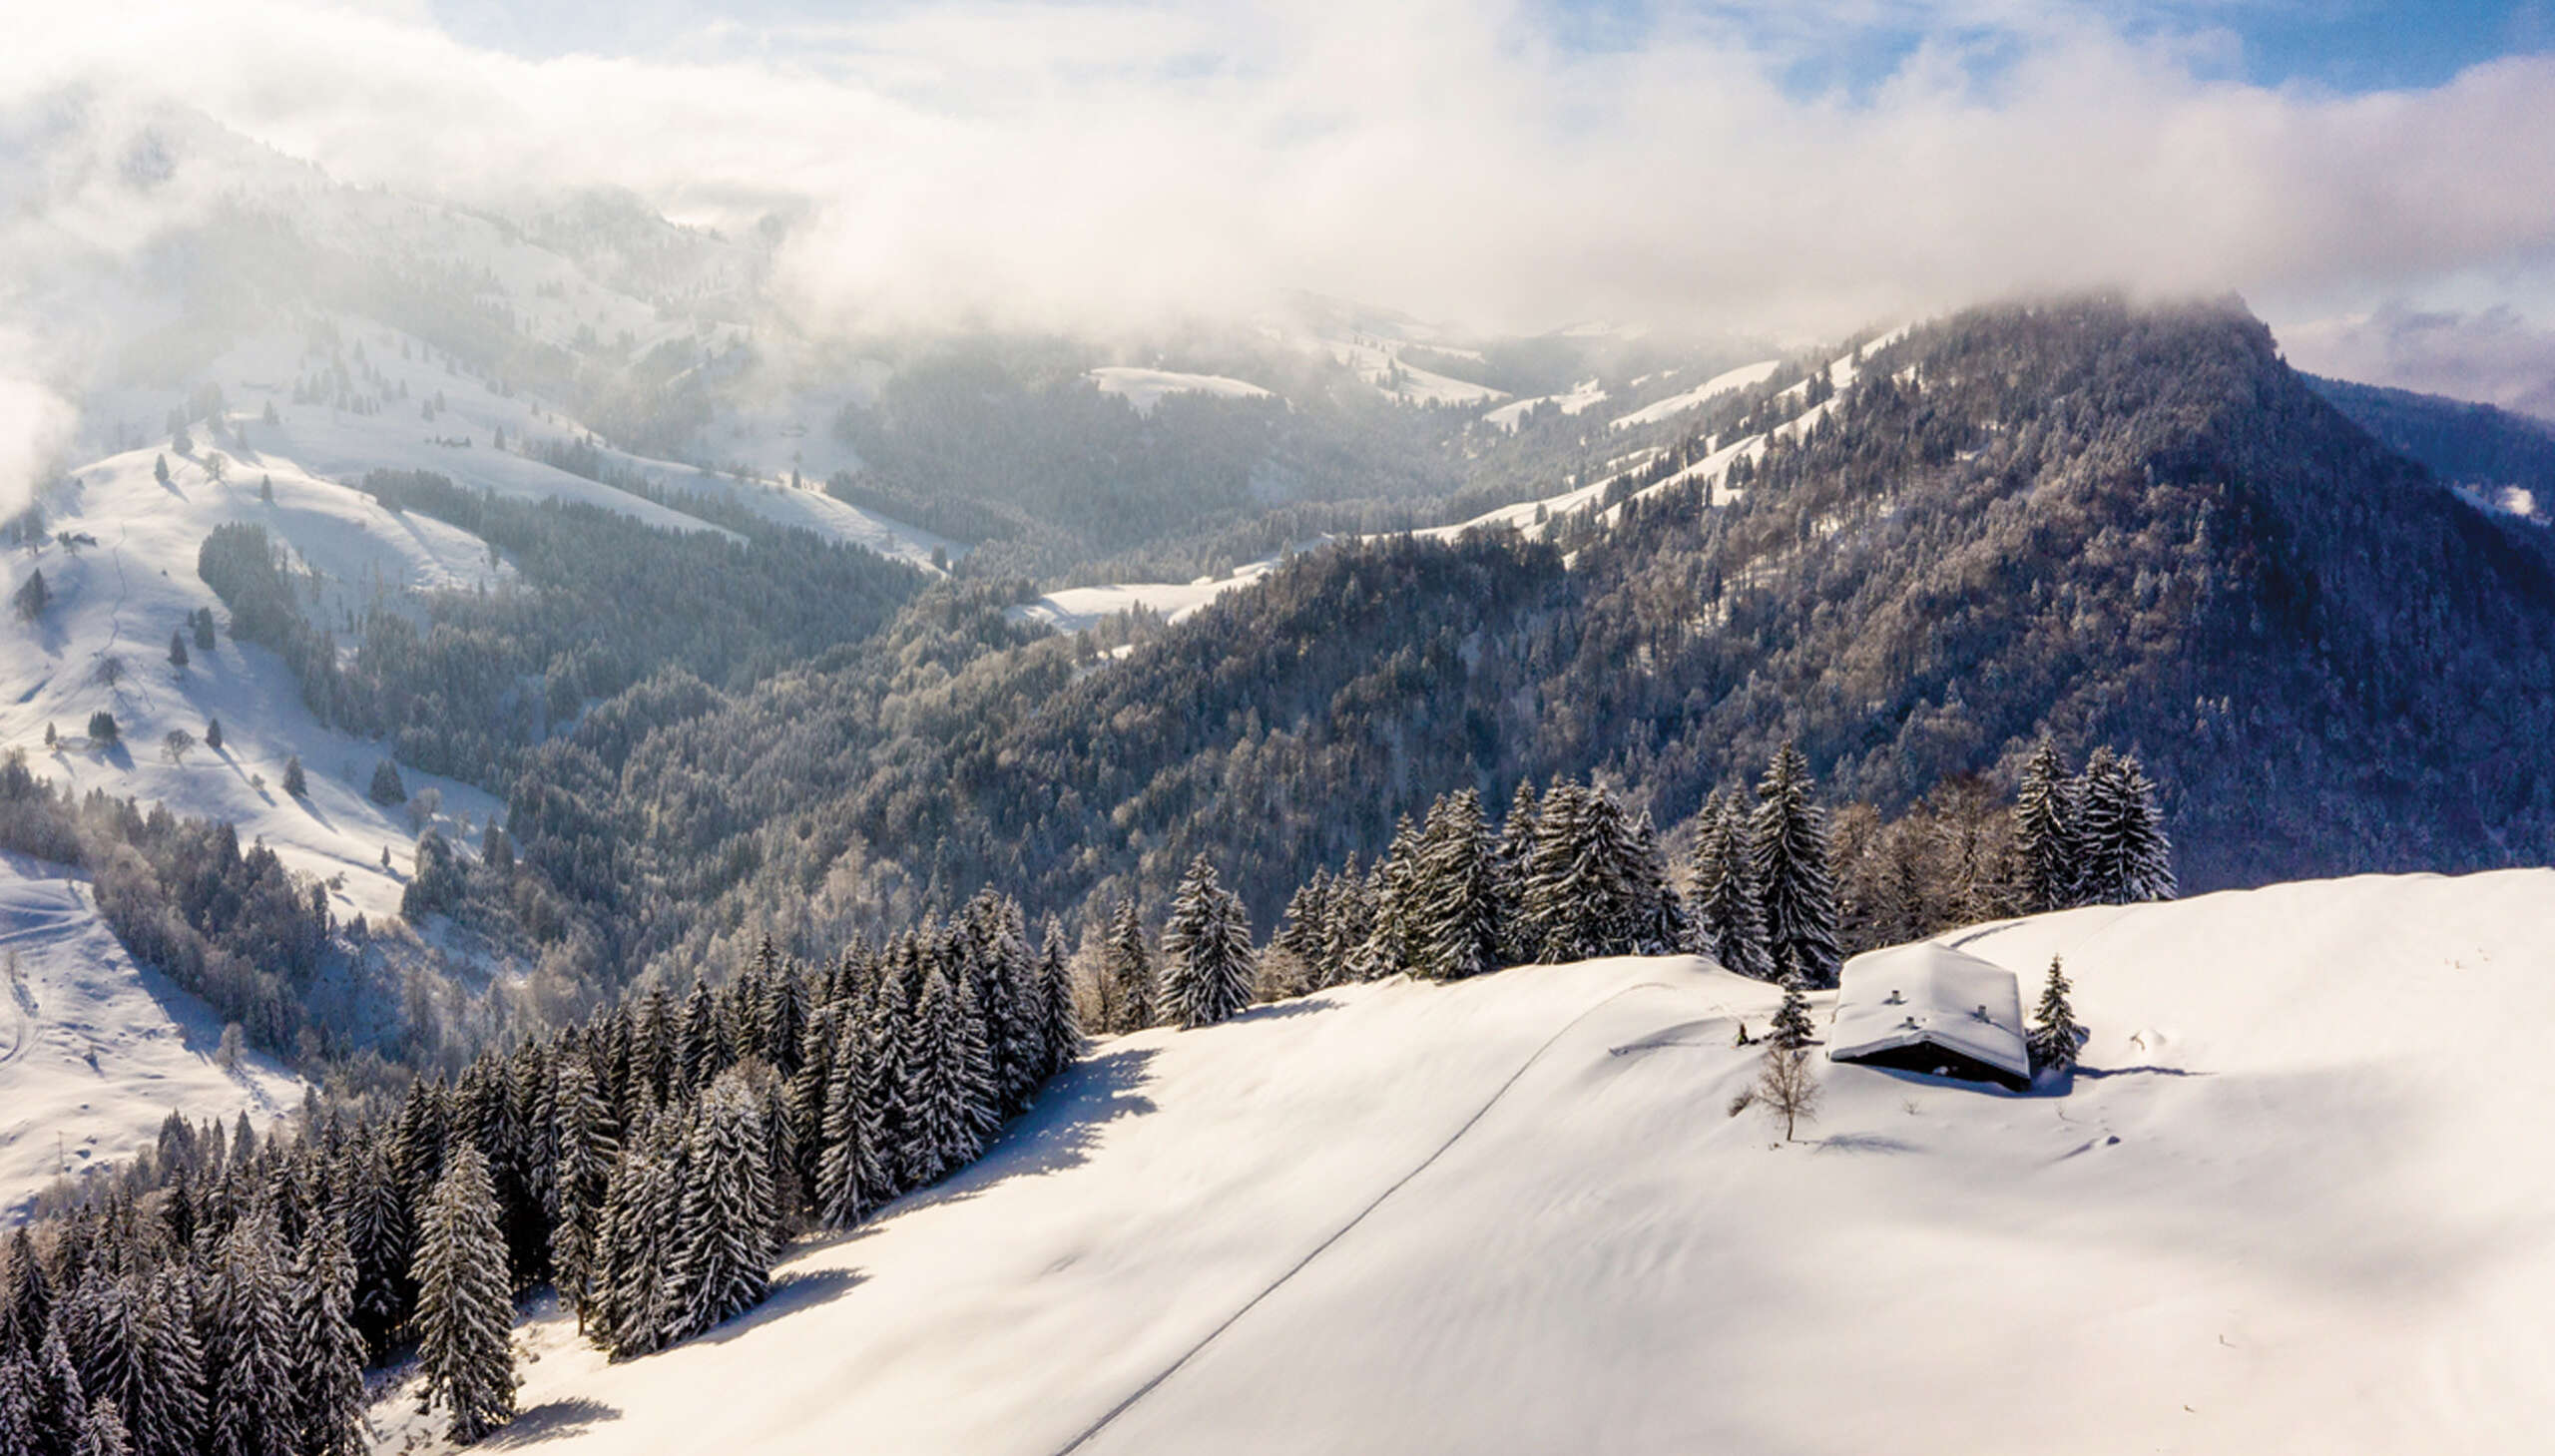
x=1079, y=609
x=2298, y=1201
x=1144, y=388
x=95, y=1050
x=119, y=600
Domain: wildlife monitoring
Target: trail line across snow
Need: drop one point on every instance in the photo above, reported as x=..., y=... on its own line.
x=1194, y=1351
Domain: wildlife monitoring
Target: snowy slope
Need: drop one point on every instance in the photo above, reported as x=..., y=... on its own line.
x=1079, y=609
x=1722, y=384
x=2301, y=1202
x=1144, y=388
x=117, y=602
x=459, y=441
x=1582, y=396
x=94, y=1049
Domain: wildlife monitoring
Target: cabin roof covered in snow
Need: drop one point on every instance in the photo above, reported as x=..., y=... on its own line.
x=1930, y=995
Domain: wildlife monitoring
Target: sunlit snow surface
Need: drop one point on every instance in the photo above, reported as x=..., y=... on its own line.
x=94, y=1050
x=2299, y=1201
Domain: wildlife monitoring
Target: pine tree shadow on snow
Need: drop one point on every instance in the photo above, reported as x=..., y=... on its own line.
x=552, y=1418
x=1056, y=1134
x=790, y=1292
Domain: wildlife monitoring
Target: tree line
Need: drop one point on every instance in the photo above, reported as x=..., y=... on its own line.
x=223, y=1293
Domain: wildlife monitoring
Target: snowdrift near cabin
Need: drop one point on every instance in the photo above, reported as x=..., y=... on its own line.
x=95, y=1050
x=2297, y=1200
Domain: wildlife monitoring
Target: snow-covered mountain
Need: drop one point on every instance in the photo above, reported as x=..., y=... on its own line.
x=2295, y=1201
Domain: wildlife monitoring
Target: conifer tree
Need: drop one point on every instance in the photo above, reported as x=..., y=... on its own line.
x=1729, y=913
x=852, y=1179
x=19, y=1436
x=2045, y=849
x=103, y=1433
x=729, y=1222
x=1206, y=942
x=139, y=1353
x=1457, y=901
x=295, y=784
x=1659, y=926
x=2055, y=1035
x=1516, y=854
x=1549, y=905
x=1788, y=852
x=1299, y=927
x=374, y=1212
x=58, y=1409
x=1792, y=1028
x=2124, y=857
x=26, y=1296
x=327, y=1358
x=583, y=1133
x=1348, y=919
x=463, y=1315
x=973, y=1067
x=249, y=1348
x=1060, y=1020
x=1393, y=930
x=633, y=1310
x=941, y=1127
x=1127, y=965
x=700, y=1052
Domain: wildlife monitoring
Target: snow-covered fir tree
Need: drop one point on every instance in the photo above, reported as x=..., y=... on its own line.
x=249, y=1347
x=1392, y=932
x=1729, y=914
x=853, y=1178
x=103, y=1433
x=2044, y=846
x=1349, y=921
x=2124, y=856
x=1792, y=1029
x=1787, y=848
x=1659, y=917
x=375, y=1214
x=632, y=1304
x=727, y=1232
x=464, y=1317
x=1128, y=967
x=941, y=1130
x=582, y=1162
x=2055, y=1035
x=1516, y=854
x=1456, y=898
x=327, y=1350
x=136, y=1349
x=1206, y=943
x=1060, y=1019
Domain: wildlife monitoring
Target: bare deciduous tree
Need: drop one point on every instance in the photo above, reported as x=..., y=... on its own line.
x=1786, y=1087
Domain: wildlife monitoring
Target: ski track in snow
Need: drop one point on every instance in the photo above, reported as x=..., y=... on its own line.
x=1344, y=1229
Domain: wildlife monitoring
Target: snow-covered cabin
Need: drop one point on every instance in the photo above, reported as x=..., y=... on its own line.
x=1930, y=1008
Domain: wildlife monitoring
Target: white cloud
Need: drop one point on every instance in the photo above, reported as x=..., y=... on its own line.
x=1052, y=163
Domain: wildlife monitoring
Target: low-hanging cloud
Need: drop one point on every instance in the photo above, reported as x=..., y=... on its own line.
x=1061, y=164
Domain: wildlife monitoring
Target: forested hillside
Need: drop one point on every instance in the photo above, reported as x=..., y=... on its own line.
x=2475, y=445
x=2099, y=521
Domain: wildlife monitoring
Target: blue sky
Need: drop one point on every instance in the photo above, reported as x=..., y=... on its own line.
x=1821, y=46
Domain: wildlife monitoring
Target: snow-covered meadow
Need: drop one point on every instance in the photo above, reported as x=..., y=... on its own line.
x=2297, y=1201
